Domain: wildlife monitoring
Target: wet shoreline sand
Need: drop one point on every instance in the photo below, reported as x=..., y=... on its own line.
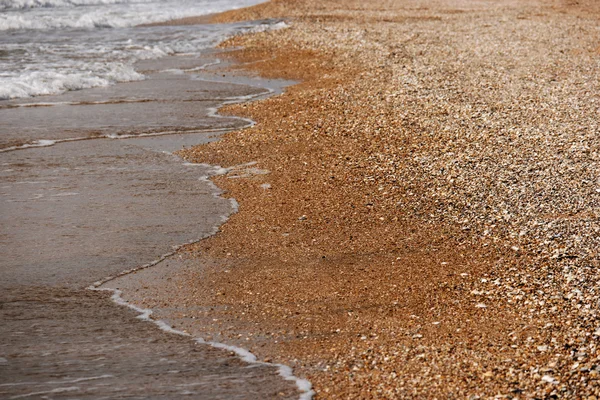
x=428, y=225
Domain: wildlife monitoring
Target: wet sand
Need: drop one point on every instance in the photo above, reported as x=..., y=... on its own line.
x=74, y=212
x=428, y=226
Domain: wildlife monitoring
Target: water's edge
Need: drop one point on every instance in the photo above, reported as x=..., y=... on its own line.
x=303, y=385
x=145, y=314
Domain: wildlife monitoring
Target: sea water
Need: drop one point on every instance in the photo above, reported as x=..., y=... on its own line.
x=53, y=46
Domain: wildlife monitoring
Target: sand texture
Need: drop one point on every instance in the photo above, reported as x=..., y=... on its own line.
x=422, y=220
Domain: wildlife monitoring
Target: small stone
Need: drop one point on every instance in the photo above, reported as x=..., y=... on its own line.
x=549, y=379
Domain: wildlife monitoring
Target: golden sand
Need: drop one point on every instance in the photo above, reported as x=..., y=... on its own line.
x=429, y=223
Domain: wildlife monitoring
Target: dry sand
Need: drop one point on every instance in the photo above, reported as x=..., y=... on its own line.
x=429, y=223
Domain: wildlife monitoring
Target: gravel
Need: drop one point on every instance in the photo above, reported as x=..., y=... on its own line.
x=441, y=155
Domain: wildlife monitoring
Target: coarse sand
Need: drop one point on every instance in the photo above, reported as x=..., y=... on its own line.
x=429, y=223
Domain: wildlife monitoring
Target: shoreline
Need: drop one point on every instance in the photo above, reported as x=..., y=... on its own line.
x=372, y=257
x=303, y=386
x=91, y=209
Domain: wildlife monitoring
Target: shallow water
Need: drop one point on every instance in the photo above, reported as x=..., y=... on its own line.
x=76, y=211
x=90, y=187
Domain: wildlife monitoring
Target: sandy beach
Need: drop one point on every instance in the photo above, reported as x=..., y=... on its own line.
x=419, y=216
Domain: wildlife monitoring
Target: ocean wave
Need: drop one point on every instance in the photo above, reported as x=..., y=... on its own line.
x=15, y=21
x=40, y=83
x=37, y=63
x=69, y=14
x=25, y=4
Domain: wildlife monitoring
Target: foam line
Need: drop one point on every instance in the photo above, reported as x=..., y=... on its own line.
x=213, y=112
x=145, y=314
x=234, y=204
x=42, y=143
x=52, y=142
x=214, y=170
x=96, y=284
x=286, y=372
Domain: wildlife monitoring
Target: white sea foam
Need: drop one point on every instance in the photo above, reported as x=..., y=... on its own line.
x=39, y=83
x=145, y=314
x=60, y=45
x=273, y=27
x=23, y=4
x=303, y=385
x=59, y=61
x=41, y=143
x=234, y=204
x=88, y=14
